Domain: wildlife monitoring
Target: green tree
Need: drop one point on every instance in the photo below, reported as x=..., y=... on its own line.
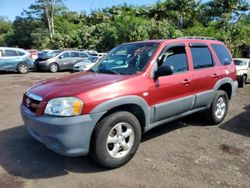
x=5, y=30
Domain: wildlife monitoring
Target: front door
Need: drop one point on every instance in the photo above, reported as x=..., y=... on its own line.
x=171, y=95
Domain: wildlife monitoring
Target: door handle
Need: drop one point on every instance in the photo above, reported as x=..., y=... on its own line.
x=215, y=76
x=186, y=82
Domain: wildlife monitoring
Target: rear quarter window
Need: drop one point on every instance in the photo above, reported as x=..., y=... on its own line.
x=20, y=53
x=222, y=54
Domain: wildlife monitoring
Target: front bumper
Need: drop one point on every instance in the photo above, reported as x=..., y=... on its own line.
x=41, y=66
x=69, y=136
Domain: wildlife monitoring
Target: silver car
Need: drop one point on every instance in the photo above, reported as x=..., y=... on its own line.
x=62, y=61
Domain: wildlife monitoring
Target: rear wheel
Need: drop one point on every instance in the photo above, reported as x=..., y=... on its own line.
x=53, y=67
x=22, y=68
x=116, y=139
x=218, y=109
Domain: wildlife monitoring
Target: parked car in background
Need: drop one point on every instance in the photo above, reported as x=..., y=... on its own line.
x=86, y=64
x=33, y=54
x=15, y=59
x=106, y=110
x=242, y=70
x=46, y=54
x=61, y=61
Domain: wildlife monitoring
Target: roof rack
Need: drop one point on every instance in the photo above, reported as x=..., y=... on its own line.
x=197, y=37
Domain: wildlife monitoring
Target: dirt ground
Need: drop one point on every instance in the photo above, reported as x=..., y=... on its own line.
x=185, y=153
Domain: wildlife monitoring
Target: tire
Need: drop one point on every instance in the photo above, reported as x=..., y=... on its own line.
x=218, y=109
x=53, y=67
x=110, y=146
x=22, y=68
x=242, y=81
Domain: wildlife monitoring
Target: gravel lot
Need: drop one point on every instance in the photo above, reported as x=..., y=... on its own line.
x=185, y=153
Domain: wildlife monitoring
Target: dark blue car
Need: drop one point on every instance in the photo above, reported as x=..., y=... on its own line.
x=15, y=59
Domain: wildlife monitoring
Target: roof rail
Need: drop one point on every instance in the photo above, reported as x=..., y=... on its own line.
x=197, y=37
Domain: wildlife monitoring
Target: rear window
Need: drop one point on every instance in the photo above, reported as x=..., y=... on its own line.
x=222, y=54
x=10, y=53
x=202, y=57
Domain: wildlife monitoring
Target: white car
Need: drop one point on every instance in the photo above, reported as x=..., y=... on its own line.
x=242, y=70
x=86, y=64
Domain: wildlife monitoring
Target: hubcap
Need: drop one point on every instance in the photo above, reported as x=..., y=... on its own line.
x=23, y=68
x=53, y=68
x=220, y=108
x=120, y=140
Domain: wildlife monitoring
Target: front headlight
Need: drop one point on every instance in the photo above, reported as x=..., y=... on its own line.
x=64, y=106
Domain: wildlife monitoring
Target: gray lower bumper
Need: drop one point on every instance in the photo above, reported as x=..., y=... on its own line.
x=69, y=136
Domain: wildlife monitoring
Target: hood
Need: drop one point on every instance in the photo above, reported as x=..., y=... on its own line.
x=82, y=63
x=240, y=68
x=73, y=84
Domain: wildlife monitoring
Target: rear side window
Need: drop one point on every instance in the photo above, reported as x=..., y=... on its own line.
x=202, y=57
x=83, y=55
x=1, y=53
x=222, y=54
x=10, y=53
x=176, y=58
x=74, y=54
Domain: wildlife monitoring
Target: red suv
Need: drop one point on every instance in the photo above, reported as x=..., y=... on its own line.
x=134, y=88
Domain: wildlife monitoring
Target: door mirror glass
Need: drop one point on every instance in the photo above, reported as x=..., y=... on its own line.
x=164, y=71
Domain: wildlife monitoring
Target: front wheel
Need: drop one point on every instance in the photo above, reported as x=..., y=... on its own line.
x=22, y=68
x=116, y=139
x=53, y=67
x=218, y=109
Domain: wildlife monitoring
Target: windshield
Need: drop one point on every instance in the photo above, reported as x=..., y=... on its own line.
x=126, y=59
x=41, y=54
x=53, y=53
x=240, y=63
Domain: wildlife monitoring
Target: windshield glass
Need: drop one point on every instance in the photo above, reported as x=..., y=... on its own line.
x=240, y=62
x=126, y=59
x=53, y=53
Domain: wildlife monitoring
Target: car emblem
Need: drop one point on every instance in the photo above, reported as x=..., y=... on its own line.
x=28, y=102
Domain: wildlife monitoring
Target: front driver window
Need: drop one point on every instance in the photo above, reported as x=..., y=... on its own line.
x=65, y=55
x=176, y=58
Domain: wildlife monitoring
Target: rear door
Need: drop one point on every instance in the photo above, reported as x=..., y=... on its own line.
x=206, y=73
x=171, y=95
x=10, y=59
x=75, y=57
x=64, y=60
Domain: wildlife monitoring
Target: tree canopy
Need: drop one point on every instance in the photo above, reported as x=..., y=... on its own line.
x=49, y=24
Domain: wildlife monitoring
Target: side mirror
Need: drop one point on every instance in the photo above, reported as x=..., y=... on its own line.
x=163, y=71
x=60, y=57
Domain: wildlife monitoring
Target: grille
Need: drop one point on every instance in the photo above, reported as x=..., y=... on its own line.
x=30, y=103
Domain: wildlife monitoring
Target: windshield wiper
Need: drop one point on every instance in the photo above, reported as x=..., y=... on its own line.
x=108, y=71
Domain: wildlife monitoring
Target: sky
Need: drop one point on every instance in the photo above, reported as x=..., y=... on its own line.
x=12, y=8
